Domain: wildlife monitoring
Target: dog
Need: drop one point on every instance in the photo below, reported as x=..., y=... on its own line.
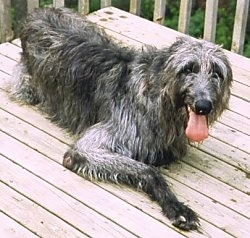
x=132, y=110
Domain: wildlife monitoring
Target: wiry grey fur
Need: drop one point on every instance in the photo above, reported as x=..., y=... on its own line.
x=128, y=107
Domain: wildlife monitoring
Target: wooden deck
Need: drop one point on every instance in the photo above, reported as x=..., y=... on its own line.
x=39, y=198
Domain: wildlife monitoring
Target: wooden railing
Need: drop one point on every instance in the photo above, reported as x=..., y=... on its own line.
x=238, y=35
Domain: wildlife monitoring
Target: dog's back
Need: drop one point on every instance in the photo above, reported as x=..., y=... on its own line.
x=59, y=48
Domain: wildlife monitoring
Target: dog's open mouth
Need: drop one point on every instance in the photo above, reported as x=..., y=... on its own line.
x=197, y=126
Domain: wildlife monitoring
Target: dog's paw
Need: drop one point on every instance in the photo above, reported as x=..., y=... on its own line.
x=183, y=217
x=68, y=161
x=71, y=160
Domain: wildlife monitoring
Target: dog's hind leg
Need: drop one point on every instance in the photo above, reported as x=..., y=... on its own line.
x=93, y=161
x=21, y=86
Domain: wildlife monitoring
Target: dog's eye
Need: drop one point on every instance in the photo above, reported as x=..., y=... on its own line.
x=215, y=75
x=216, y=72
x=190, y=68
x=187, y=71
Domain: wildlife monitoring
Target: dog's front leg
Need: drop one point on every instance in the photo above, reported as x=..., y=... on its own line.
x=90, y=158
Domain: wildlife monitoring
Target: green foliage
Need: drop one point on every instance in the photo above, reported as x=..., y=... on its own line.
x=224, y=27
x=196, y=25
x=147, y=7
x=44, y=3
x=225, y=23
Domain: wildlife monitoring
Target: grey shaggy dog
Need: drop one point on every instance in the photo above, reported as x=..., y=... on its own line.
x=130, y=108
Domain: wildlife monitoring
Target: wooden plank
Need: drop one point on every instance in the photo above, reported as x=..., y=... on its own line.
x=10, y=122
x=56, y=201
x=10, y=228
x=239, y=106
x=184, y=16
x=208, y=229
x=46, y=166
x=240, y=23
x=233, y=176
x=16, y=42
x=241, y=75
x=40, y=140
x=11, y=51
x=241, y=91
x=210, y=211
x=159, y=11
x=7, y=65
x=236, y=121
x=228, y=221
x=89, y=194
x=4, y=79
x=210, y=20
x=232, y=137
x=135, y=7
x=36, y=118
x=43, y=224
x=239, y=61
x=225, y=152
x=210, y=187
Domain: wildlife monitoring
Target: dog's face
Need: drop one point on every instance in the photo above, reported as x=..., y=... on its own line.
x=203, y=80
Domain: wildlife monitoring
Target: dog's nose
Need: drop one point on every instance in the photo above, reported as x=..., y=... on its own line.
x=203, y=107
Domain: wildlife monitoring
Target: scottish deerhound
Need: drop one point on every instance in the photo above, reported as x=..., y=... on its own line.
x=132, y=109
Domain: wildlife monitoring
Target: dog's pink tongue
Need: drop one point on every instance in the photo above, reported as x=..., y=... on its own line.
x=197, y=129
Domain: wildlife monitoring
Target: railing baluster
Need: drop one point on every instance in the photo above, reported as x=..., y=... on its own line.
x=105, y=3
x=240, y=23
x=32, y=4
x=210, y=20
x=58, y=3
x=159, y=11
x=184, y=16
x=135, y=7
x=5, y=21
x=83, y=6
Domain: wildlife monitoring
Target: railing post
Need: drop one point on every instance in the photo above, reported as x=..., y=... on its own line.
x=105, y=3
x=159, y=11
x=240, y=23
x=83, y=6
x=6, y=33
x=32, y=4
x=210, y=20
x=184, y=16
x=135, y=7
x=58, y=3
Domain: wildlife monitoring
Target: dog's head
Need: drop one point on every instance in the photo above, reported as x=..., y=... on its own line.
x=202, y=83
